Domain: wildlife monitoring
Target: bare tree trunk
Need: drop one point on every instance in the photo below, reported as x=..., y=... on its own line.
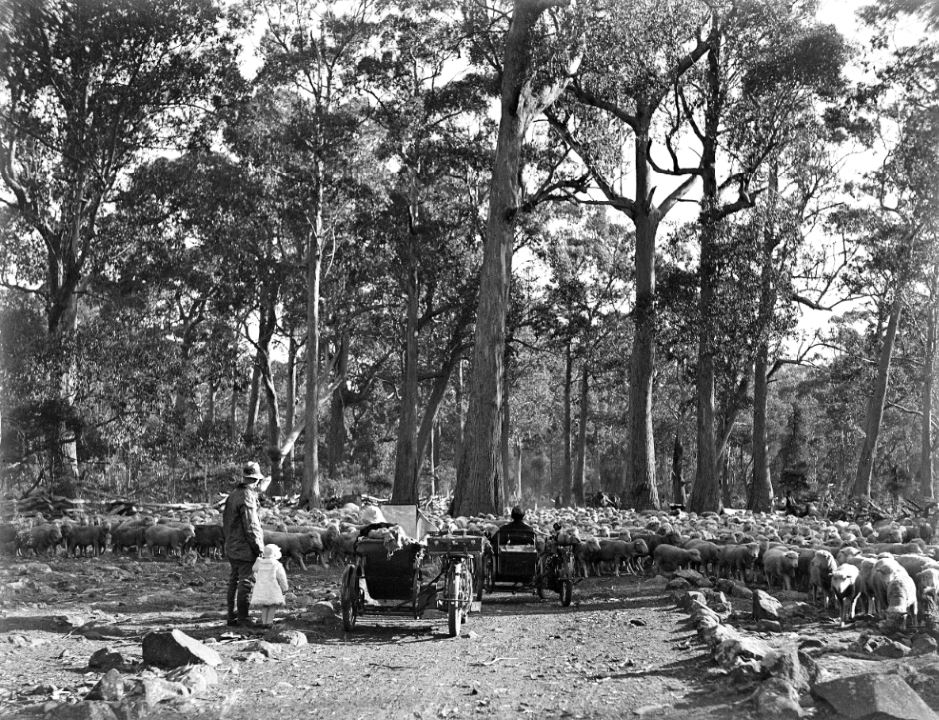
x=61, y=439
x=518, y=469
x=639, y=488
x=678, y=482
x=567, y=489
x=254, y=401
x=580, y=470
x=504, y=443
x=233, y=406
x=406, y=483
x=290, y=417
x=336, y=447
x=875, y=405
x=479, y=467
x=760, y=494
x=706, y=493
x=458, y=400
x=310, y=489
x=929, y=369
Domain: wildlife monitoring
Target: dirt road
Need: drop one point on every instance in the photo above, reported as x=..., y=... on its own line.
x=621, y=649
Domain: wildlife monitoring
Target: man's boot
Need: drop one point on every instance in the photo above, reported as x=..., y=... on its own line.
x=244, y=620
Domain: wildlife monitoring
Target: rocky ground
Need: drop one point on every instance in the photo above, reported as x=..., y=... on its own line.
x=626, y=647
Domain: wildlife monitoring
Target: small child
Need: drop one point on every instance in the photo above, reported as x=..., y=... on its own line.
x=270, y=584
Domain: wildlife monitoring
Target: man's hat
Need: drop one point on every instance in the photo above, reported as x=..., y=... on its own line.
x=251, y=473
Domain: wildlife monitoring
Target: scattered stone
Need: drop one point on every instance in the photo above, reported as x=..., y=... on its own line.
x=197, y=678
x=880, y=646
x=777, y=698
x=873, y=695
x=105, y=659
x=792, y=665
x=322, y=611
x=793, y=609
x=471, y=635
x=176, y=648
x=286, y=637
x=647, y=710
x=741, y=649
x=267, y=649
x=693, y=577
x=87, y=710
x=153, y=690
x=33, y=568
x=678, y=583
x=924, y=644
x=71, y=620
x=771, y=626
x=110, y=687
x=765, y=606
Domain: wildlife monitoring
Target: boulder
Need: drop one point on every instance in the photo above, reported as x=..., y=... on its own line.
x=765, y=606
x=768, y=626
x=175, y=648
x=197, y=678
x=322, y=612
x=287, y=637
x=86, y=710
x=693, y=577
x=924, y=644
x=105, y=659
x=110, y=687
x=150, y=691
x=678, y=583
x=742, y=648
x=264, y=647
x=880, y=646
x=886, y=697
x=777, y=699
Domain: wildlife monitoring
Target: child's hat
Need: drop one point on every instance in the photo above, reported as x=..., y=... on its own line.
x=272, y=551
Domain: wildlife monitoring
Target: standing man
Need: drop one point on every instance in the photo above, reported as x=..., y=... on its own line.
x=244, y=541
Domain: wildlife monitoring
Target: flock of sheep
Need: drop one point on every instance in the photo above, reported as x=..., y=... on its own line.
x=889, y=568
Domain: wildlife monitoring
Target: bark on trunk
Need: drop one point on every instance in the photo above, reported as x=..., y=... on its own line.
x=290, y=411
x=678, y=482
x=929, y=368
x=518, y=470
x=504, y=442
x=639, y=488
x=310, y=488
x=875, y=405
x=336, y=447
x=479, y=467
x=254, y=402
x=458, y=401
x=760, y=493
x=706, y=493
x=406, y=484
x=580, y=470
x=61, y=438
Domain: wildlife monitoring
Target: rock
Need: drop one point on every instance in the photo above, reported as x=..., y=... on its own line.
x=741, y=648
x=153, y=690
x=880, y=646
x=678, y=583
x=197, y=678
x=765, y=606
x=772, y=626
x=886, y=697
x=734, y=589
x=267, y=649
x=71, y=620
x=175, y=648
x=924, y=644
x=86, y=710
x=34, y=568
x=777, y=698
x=287, y=637
x=322, y=611
x=105, y=659
x=647, y=710
x=110, y=687
x=471, y=635
x=793, y=609
x=795, y=667
x=693, y=577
